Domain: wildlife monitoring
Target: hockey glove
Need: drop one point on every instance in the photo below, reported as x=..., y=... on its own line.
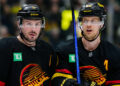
x=70, y=82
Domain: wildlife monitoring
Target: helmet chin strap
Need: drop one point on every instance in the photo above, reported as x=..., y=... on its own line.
x=92, y=39
x=23, y=37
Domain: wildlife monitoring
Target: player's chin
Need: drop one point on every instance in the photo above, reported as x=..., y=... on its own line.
x=32, y=39
x=90, y=37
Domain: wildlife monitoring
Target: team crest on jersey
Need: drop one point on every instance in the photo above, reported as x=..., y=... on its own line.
x=93, y=73
x=32, y=75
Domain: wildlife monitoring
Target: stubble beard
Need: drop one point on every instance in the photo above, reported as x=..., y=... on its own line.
x=29, y=39
x=90, y=37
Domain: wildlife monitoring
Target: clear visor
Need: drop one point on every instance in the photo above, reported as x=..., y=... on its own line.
x=91, y=22
x=31, y=25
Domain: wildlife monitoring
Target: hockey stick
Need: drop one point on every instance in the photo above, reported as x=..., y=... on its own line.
x=76, y=48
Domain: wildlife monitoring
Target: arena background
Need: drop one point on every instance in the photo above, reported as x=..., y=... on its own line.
x=58, y=19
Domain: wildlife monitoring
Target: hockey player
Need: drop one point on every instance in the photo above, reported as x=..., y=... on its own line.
x=98, y=59
x=26, y=60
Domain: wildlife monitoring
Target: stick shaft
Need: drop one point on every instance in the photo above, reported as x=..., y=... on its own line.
x=76, y=48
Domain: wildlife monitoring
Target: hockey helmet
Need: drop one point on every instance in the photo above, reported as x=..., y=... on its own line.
x=92, y=9
x=31, y=11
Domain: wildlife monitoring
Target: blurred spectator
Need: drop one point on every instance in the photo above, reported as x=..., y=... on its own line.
x=119, y=44
x=54, y=35
x=12, y=2
x=4, y=32
x=52, y=10
x=7, y=17
x=117, y=21
x=40, y=3
x=53, y=19
x=118, y=35
x=77, y=4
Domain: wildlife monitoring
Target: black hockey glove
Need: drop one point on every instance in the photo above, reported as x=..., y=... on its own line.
x=71, y=82
x=89, y=83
